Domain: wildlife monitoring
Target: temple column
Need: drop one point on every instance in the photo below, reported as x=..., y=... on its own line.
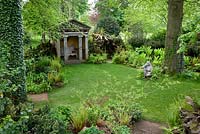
x=86, y=47
x=65, y=49
x=58, y=48
x=80, y=42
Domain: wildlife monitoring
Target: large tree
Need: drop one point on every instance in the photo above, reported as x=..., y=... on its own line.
x=11, y=34
x=113, y=8
x=73, y=9
x=41, y=15
x=173, y=60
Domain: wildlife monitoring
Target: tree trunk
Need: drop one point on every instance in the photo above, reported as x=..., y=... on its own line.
x=12, y=33
x=173, y=62
x=43, y=37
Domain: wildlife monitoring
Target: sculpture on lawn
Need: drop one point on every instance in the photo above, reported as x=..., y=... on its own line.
x=148, y=68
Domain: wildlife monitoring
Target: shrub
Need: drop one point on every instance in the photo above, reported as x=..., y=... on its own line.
x=125, y=114
x=91, y=130
x=97, y=58
x=104, y=43
x=136, y=42
x=78, y=119
x=136, y=38
x=9, y=126
x=55, y=64
x=157, y=40
x=37, y=83
x=93, y=116
x=42, y=65
x=62, y=113
x=189, y=115
x=131, y=59
x=14, y=117
x=189, y=74
x=122, y=130
x=55, y=79
x=173, y=118
x=109, y=25
x=121, y=58
x=42, y=122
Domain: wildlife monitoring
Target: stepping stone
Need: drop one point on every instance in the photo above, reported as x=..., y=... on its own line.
x=38, y=97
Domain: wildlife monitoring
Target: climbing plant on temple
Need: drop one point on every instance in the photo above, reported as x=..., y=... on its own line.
x=11, y=34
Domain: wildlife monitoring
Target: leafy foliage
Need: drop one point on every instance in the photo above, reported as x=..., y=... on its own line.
x=91, y=130
x=78, y=119
x=39, y=16
x=42, y=122
x=104, y=43
x=109, y=25
x=97, y=58
x=11, y=35
x=37, y=83
x=122, y=130
x=115, y=9
x=139, y=57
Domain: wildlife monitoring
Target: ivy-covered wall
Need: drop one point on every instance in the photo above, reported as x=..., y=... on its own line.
x=11, y=32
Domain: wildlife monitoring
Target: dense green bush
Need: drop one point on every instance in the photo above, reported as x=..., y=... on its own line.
x=78, y=119
x=14, y=118
x=183, y=117
x=92, y=130
x=43, y=73
x=122, y=130
x=10, y=126
x=93, y=116
x=125, y=114
x=136, y=58
x=157, y=40
x=37, y=83
x=136, y=42
x=42, y=65
x=55, y=76
x=101, y=42
x=188, y=74
x=139, y=57
x=55, y=64
x=109, y=25
x=121, y=58
x=62, y=113
x=42, y=122
x=136, y=35
x=22, y=119
x=97, y=58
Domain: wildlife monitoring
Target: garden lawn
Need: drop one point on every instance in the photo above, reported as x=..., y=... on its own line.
x=89, y=80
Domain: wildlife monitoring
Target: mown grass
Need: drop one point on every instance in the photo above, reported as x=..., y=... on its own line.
x=88, y=80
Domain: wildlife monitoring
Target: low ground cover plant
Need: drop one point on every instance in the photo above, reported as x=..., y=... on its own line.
x=183, y=117
x=97, y=58
x=108, y=118
x=43, y=73
x=138, y=57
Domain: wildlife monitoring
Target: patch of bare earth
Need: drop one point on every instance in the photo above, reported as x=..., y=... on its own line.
x=147, y=127
x=38, y=97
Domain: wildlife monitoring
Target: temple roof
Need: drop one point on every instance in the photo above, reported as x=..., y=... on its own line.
x=74, y=26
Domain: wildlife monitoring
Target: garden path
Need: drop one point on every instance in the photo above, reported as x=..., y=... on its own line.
x=38, y=97
x=147, y=127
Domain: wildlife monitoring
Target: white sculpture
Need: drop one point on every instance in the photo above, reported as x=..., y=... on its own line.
x=147, y=69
